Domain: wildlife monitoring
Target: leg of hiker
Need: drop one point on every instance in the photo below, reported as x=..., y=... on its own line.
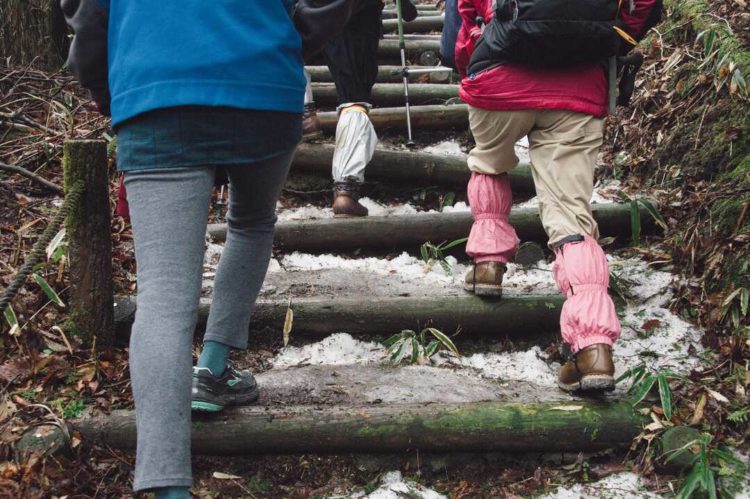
x=168, y=210
x=492, y=240
x=563, y=149
x=253, y=192
x=352, y=58
x=310, y=121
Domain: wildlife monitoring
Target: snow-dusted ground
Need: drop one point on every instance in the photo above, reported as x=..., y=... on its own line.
x=651, y=333
x=617, y=486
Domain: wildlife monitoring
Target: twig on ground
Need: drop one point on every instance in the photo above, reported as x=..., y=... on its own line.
x=33, y=176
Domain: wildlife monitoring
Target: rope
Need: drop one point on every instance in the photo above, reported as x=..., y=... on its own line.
x=71, y=198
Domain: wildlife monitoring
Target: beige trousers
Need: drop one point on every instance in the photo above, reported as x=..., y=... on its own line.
x=563, y=146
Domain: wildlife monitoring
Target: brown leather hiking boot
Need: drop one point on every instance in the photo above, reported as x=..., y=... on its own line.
x=346, y=200
x=310, y=122
x=485, y=279
x=588, y=370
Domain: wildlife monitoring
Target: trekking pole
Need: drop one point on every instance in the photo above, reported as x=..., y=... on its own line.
x=402, y=47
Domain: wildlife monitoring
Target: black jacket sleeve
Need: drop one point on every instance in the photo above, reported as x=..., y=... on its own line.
x=87, y=58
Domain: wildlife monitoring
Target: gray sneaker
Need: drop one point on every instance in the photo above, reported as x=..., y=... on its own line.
x=212, y=394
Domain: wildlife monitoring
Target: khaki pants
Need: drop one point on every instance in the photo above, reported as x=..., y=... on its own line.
x=563, y=146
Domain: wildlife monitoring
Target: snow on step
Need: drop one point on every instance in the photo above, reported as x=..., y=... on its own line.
x=651, y=335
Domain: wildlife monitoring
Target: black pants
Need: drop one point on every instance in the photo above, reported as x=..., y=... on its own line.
x=352, y=56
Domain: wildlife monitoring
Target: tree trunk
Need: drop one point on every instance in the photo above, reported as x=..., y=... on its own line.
x=321, y=74
x=422, y=117
x=575, y=426
x=410, y=231
x=422, y=24
x=89, y=242
x=33, y=30
x=398, y=166
x=392, y=94
x=531, y=319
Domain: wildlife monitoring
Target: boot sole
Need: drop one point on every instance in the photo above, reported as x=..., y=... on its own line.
x=592, y=383
x=219, y=405
x=346, y=215
x=493, y=290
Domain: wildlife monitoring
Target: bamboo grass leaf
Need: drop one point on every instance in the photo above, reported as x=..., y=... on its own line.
x=51, y=294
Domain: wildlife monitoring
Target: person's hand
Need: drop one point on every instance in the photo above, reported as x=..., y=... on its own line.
x=408, y=10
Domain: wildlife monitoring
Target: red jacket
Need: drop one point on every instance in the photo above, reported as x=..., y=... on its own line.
x=514, y=87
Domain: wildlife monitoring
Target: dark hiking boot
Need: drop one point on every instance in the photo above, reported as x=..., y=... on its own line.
x=310, y=122
x=588, y=370
x=212, y=394
x=408, y=10
x=346, y=200
x=485, y=279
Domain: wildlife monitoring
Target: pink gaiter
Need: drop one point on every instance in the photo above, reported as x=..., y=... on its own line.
x=588, y=315
x=492, y=238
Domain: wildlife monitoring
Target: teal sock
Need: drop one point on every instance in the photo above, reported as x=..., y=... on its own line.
x=172, y=493
x=214, y=356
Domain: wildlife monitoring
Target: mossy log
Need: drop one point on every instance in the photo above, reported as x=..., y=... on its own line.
x=422, y=117
x=392, y=94
x=410, y=231
x=422, y=24
x=89, y=242
x=422, y=10
x=424, y=52
x=33, y=30
x=321, y=74
x=574, y=426
x=399, y=166
x=531, y=319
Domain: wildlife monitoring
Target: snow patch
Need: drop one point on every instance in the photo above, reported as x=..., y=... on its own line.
x=528, y=366
x=394, y=486
x=336, y=350
x=404, y=267
x=445, y=148
x=458, y=207
x=620, y=486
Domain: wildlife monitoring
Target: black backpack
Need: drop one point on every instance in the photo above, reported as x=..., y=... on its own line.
x=551, y=33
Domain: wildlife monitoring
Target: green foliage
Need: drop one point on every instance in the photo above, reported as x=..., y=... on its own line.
x=256, y=484
x=708, y=463
x=73, y=409
x=635, y=215
x=51, y=294
x=433, y=252
x=418, y=348
x=643, y=380
x=735, y=307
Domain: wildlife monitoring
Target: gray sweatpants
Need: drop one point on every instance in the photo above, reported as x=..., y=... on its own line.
x=168, y=209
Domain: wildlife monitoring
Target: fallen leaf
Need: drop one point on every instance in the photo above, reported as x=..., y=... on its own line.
x=699, y=407
x=718, y=396
x=225, y=476
x=17, y=369
x=650, y=325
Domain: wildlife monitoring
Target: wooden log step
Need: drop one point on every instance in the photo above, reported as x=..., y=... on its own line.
x=530, y=319
x=422, y=117
x=321, y=74
x=392, y=94
x=399, y=166
x=410, y=231
x=421, y=12
x=424, y=52
x=422, y=24
x=573, y=426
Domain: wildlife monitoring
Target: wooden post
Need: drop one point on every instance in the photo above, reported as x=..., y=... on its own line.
x=90, y=244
